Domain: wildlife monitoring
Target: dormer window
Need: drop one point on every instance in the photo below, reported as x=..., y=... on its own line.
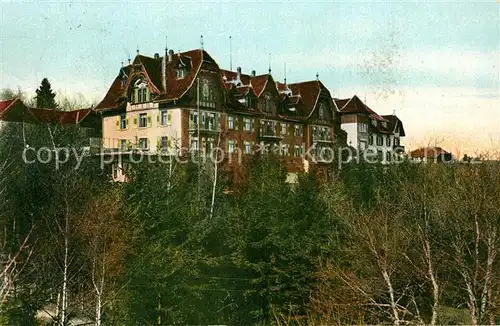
x=181, y=72
x=140, y=92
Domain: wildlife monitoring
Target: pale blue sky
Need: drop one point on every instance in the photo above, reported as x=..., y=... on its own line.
x=377, y=50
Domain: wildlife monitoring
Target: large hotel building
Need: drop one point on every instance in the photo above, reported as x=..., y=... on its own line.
x=184, y=103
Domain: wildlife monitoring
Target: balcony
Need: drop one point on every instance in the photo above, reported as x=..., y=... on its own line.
x=268, y=131
x=322, y=138
x=205, y=128
x=322, y=135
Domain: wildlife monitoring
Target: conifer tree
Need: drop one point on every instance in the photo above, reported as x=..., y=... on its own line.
x=45, y=97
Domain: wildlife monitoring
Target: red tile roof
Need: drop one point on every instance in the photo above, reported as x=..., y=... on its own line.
x=153, y=70
x=428, y=152
x=232, y=75
x=355, y=105
x=61, y=117
x=259, y=83
x=393, y=123
x=309, y=92
x=41, y=115
x=4, y=105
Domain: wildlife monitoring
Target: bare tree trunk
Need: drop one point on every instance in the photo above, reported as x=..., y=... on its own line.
x=487, y=295
x=99, y=286
x=435, y=286
x=472, y=298
x=394, y=308
x=214, y=186
x=64, y=294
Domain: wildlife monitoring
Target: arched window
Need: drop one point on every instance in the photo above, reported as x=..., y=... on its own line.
x=140, y=92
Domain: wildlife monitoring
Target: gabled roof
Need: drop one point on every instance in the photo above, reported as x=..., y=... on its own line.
x=308, y=92
x=259, y=83
x=28, y=114
x=355, y=105
x=152, y=67
x=14, y=110
x=393, y=123
x=115, y=91
x=60, y=117
x=4, y=105
x=175, y=87
x=428, y=152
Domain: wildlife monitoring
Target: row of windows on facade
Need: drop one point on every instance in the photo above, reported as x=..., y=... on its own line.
x=141, y=94
x=211, y=121
x=248, y=147
x=162, y=143
x=143, y=120
x=380, y=140
x=363, y=127
x=208, y=98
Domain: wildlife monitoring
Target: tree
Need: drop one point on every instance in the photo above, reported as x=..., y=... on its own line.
x=45, y=97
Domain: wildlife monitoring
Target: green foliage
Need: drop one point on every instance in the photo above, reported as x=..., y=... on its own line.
x=45, y=97
x=271, y=251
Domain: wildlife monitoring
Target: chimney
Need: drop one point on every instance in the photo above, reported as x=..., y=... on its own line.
x=253, y=73
x=170, y=54
x=157, y=56
x=238, y=70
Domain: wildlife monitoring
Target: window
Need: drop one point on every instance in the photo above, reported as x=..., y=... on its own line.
x=143, y=120
x=388, y=156
x=142, y=95
x=181, y=72
x=143, y=143
x=115, y=171
x=380, y=141
x=374, y=122
x=164, y=143
x=248, y=124
x=284, y=126
x=193, y=119
x=194, y=144
x=123, y=121
x=268, y=128
x=231, y=122
x=370, y=139
x=298, y=151
x=388, y=141
x=248, y=147
x=231, y=146
x=123, y=144
x=362, y=127
x=140, y=92
x=396, y=141
x=298, y=130
x=285, y=149
x=165, y=118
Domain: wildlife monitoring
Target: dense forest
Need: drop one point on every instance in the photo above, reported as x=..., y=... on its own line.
x=408, y=243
